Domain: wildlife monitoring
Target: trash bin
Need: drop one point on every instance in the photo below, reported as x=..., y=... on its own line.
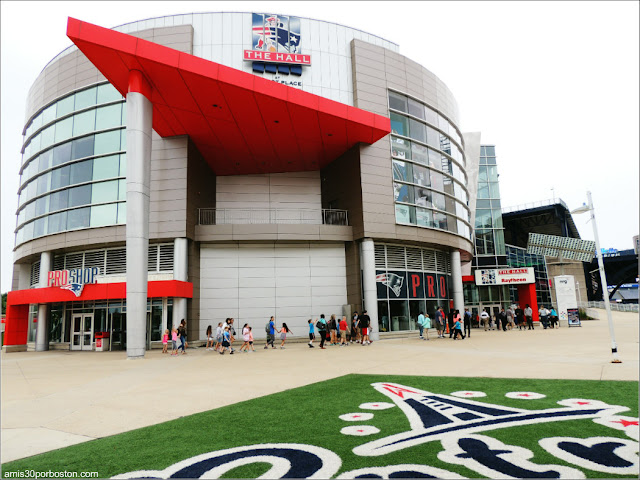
x=102, y=341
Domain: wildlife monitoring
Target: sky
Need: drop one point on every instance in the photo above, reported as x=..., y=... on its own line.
x=554, y=85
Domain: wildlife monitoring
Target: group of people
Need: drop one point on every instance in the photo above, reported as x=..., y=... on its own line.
x=518, y=317
x=178, y=334
x=358, y=332
x=441, y=321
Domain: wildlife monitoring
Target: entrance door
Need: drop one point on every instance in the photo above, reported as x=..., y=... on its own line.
x=82, y=333
x=492, y=310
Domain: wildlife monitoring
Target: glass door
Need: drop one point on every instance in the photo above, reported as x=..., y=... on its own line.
x=82, y=331
x=87, y=331
x=76, y=332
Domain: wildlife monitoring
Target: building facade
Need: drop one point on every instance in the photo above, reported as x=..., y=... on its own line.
x=236, y=165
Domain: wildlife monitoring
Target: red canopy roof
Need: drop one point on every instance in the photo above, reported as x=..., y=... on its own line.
x=241, y=123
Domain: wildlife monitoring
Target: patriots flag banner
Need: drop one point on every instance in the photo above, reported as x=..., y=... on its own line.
x=275, y=40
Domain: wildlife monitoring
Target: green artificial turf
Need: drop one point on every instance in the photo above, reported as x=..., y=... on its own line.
x=309, y=415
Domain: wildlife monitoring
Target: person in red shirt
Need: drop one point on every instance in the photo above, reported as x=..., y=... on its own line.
x=343, y=331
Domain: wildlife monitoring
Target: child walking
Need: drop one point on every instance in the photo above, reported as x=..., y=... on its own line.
x=251, y=340
x=210, y=338
x=226, y=336
x=165, y=341
x=219, y=331
x=283, y=334
x=245, y=338
x=174, y=341
x=312, y=335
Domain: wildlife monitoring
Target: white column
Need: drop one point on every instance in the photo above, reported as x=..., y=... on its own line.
x=180, y=272
x=42, y=340
x=456, y=280
x=139, y=119
x=369, y=285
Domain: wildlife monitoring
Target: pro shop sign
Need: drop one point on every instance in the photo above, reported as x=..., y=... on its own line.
x=73, y=280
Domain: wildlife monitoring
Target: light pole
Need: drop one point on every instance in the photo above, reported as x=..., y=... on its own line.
x=603, y=278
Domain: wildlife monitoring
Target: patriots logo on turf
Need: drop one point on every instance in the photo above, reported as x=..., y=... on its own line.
x=392, y=281
x=75, y=288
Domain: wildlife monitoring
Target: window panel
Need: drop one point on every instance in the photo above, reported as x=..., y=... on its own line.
x=49, y=114
x=28, y=232
x=440, y=220
x=405, y=214
x=397, y=101
x=399, y=124
x=483, y=190
x=492, y=172
x=433, y=137
x=403, y=193
x=437, y=181
x=483, y=219
x=42, y=205
x=497, y=218
x=445, y=144
x=122, y=189
x=108, y=93
x=123, y=120
x=424, y=217
x=30, y=211
x=44, y=160
x=107, y=142
x=105, y=167
x=443, y=124
x=123, y=139
x=123, y=165
x=64, y=129
x=418, y=130
x=421, y=176
x=435, y=159
x=57, y=222
x=450, y=204
x=60, y=177
x=109, y=116
x=494, y=189
x=400, y=148
x=81, y=172
x=452, y=224
x=80, y=196
x=122, y=213
x=416, y=109
x=430, y=116
x=402, y=171
x=84, y=122
x=44, y=183
x=64, y=106
x=59, y=200
x=104, y=192
x=438, y=201
x=86, y=98
x=419, y=153
x=61, y=154
x=47, y=136
x=40, y=227
x=102, y=215
x=82, y=147
x=424, y=197
x=482, y=174
x=490, y=151
x=78, y=218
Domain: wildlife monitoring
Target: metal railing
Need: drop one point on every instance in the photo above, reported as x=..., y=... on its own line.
x=620, y=307
x=541, y=203
x=258, y=216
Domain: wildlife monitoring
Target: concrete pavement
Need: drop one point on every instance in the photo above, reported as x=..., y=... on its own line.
x=58, y=398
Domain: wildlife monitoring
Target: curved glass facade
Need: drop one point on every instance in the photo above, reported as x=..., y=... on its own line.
x=73, y=172
x=428, y=167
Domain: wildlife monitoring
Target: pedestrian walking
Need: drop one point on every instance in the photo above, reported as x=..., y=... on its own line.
x=343, y=327
x=467, y=322
x=554, y=317
x=210, y=339
x=182, y=334
x=450, y=322
x=502, y=316
x=270, y=328
x=226, y=340
x=528, y=314
x=321, y=325
x=510, y=318
x=283, y=334
x=365, y=325
x=439, y=318
x=333, y=330
x=485, y=318
x=174, y=341
x=421, y=325
x=312, y=335
x=544, y=317
x=245, y=338
x=355, y=331
x=457, y=326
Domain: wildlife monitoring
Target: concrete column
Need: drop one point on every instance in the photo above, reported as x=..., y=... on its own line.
x=139, y=120
x=456, y=280
x=180, y=272
x=42, y=331
x=369, y=285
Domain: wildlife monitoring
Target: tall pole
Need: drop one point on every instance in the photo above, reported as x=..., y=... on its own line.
x=603, y=282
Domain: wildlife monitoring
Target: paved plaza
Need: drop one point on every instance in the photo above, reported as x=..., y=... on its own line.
x=58, y=398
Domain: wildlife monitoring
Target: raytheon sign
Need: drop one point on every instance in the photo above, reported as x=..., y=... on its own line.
x=505, y=276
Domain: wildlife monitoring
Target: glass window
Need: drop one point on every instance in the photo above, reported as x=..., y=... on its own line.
x=405, y=214
x=109, y=117
x=435, y=159
x=64, y=106
x=84, y=122
x=78, y=218
x=418, y=130
x=46, y=136
x=30, y=211
x=490, y=151
x=433, y=137
x=397, y=101
x=108, y=93
x=44, y=182
x=31, y=189
x=440, y=220
x=438, y=201
x=102, y=215
x=416, y=108
x=123, y=120
x=402, y=171
x=400, y=148
x=452, y=224
x=462, y=211
x=494, y=188
x=104, y=192
x=122, y=213
x=40, y=227
x=105, y=167
x=86, y=98
x=123, y=164
x=107, y=142
x=49, y=114
x=491, y=160
x=450, y=204
x=403, y=193
x=419, y=153
x=61, y=154
x=44, y=160
x=60, y=177
x=430, y=116
x=437, y=181
x=34, y=145
x=482, y=174
x=424, y=217
x=483, y=219
x=497, y=218
x=64, y=129
x=492, y=171
x=122, y=189
x=423, y=197
x=483, y=190
x=421, y=176
x=499, y=236
x=42, y=205
x=58, y=222
x=28, y=231
x=79, y=196
x=445, y=144
x=483, y=204
x=59, y=200
x=81, y=172
x=82, y=147
x=443, y=124
x=123, y=139
x=399, y=124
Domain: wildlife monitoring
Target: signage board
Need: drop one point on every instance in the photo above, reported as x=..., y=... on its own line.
x=399, y=284
x=505, y=276
x=573, y=317
x=74, y=279
x=566, y=298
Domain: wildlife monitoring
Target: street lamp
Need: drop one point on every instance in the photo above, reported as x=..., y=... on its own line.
x=603, y=278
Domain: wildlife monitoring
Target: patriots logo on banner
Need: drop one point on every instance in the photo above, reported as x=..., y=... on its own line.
x=392, y=281
x=276, y=33
x=75, y=288
x=488, y=277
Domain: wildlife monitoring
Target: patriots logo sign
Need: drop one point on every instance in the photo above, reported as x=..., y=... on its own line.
x=75, y=288
x=392, y=281
x=73, y=280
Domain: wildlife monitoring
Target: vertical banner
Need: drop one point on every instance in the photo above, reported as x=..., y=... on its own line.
x=566, y=298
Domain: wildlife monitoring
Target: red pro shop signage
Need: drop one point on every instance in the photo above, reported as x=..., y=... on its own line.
x=76, y=285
